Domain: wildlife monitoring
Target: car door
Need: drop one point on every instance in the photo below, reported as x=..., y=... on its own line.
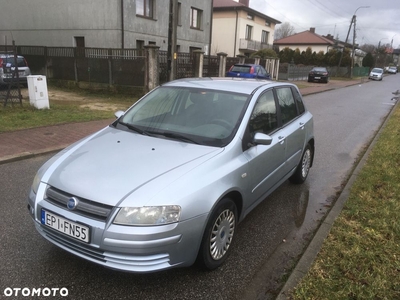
x=266, y=162
x=293, y=124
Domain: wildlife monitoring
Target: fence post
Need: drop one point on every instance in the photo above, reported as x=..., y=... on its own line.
x=76, y=64
x=110, y=69
x=198, y=63
x=151, y=67
x=241, y=58
x=256, y=60
x=222, y=64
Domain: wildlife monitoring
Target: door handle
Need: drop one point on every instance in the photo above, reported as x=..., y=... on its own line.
x=281, y=139
x=301, y=125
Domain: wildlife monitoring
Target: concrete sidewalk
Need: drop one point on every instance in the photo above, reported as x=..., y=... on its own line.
x=27, y=143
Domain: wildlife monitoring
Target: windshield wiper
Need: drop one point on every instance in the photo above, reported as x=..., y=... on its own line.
x=134, y=128
x=178, y=136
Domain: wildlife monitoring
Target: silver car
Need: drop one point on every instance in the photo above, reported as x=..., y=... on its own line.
x=8, y=64
x=170, y=180
x=376, y=74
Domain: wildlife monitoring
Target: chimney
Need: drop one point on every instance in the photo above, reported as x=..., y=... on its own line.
x=312, y=29
x=244, y=2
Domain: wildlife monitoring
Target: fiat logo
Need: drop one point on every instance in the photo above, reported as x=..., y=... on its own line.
x=72, y=203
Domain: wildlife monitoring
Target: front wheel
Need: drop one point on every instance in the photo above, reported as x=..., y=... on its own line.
x=218, y=236
x=301, y=173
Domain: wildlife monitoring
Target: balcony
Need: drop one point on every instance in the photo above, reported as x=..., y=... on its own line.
x=252, y=46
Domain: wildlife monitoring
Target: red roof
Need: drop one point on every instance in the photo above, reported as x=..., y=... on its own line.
x=227, y=3
x=304, y=38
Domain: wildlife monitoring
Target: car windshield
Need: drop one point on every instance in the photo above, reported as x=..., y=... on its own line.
x=10, y=61
x=205, y=117
x=319, y=70
x=377, y=70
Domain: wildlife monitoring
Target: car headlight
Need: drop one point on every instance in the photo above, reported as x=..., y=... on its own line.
x=36, y=182
x=148, y=215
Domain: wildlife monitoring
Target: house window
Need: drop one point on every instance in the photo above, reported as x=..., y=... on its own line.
x=145, y=8
x=249, y=30
x=79, y=41
x=195, y=18
x=139, y=44
x=179, y=14
x=264, y=37
x=250, y=17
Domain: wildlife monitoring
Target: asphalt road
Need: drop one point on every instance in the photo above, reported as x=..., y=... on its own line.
x=268, y=242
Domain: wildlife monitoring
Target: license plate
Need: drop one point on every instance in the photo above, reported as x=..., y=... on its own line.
x=65, y=226
x=317, y=77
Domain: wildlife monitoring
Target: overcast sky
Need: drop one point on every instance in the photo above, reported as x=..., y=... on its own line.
x=379, y=22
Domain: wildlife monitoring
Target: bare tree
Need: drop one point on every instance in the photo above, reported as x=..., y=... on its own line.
x=284, y=30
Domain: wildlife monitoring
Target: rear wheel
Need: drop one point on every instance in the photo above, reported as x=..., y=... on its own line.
x=218, y=236
x=301, y=173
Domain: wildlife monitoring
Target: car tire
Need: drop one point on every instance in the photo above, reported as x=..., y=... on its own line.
x=218, y=235
x=303, y=168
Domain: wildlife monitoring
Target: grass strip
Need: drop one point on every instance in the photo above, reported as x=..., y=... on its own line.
x=360, y=259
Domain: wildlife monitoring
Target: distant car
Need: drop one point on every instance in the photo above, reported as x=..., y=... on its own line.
x=248, y=71
x=319, y=74
x=169, y=181
x=7, y=69
x=376, y=74
x=392, y=70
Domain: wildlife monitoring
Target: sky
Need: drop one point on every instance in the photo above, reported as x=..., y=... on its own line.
x=380, y=22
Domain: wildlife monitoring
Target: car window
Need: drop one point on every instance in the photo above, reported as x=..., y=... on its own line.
x=299, y=101
x=264, y=117
x=287, y=104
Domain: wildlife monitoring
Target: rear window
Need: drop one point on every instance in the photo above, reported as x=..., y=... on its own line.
x=10, y=62
x=241, y=69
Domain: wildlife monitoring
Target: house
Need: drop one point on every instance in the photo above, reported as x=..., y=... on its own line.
x=239, y=29
x=306, y=39
x=105, y=23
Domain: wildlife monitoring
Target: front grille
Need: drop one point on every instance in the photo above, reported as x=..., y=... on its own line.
x=85, y=207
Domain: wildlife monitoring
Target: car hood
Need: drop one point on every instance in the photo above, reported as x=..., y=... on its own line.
x=111, y=165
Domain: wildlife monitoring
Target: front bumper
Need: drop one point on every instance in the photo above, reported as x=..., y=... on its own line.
x=126, y=248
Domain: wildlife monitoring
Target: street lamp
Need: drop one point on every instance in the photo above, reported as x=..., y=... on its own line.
x=354, y=40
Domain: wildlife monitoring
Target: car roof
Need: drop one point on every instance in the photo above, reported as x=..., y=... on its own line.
x=247, y=65
x=227, y=84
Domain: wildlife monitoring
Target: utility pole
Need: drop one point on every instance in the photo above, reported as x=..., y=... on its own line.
x=172, y=39
x=347, y=37
x=353, y=50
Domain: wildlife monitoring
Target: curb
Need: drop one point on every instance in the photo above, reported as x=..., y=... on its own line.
x=26, y=155
x=308, y=257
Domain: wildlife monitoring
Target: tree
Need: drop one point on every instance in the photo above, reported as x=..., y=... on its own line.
x=264, y=53
x=286, y=55
x=368, y=61
x=284, y=30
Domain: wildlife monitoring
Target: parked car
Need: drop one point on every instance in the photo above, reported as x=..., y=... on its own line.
x=319, y=74
x=248, y=71
x=392, y=70
x=169, y=181
x=7, y=69
x=376, y=74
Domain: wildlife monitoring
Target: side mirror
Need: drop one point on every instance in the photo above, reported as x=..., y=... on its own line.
x=119, y=114
x=262, y=139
